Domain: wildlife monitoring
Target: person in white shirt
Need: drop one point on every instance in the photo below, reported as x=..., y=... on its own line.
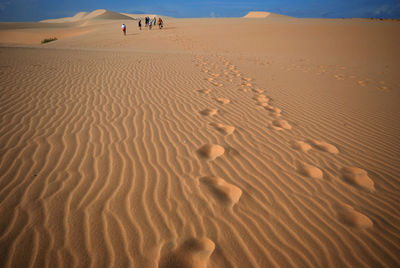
x=123, y=28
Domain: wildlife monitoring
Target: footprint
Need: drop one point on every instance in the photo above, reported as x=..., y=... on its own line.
x=214, y=83
x=248, y=79
x=257, y=90
x=246, y=84
x=211, y=151
x=193, y=253
x=324, y=146
x=272, y=109
x=224, y=129
x=260, y=95
x=310, y=171
x=280, y=124
x=261, y=98
x=263, y=104
x=226, y=193
x=353, y=218
x=222, y=100
x=358, y=177
x=209, y=112
x=339, y=77
x=361, y=83
x=205, y=91
x=301, y=146
x=275, y=114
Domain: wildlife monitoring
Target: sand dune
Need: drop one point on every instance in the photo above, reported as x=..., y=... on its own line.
x=209, y=143
x=99, y=14
x=257, y=14
x=263, y=15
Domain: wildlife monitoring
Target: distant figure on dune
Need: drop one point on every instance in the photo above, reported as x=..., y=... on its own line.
x=154, y=21
x=140, y=24
x=123, y=27
x=146, y=21
x=160, y=23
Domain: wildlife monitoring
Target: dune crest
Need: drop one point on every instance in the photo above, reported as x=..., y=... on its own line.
x=99, y=14
x=264, y=15
x=257, y=14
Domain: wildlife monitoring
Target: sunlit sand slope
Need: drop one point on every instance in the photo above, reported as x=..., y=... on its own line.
x=163, y=148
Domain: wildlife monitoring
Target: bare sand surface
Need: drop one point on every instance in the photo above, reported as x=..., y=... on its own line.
x=262, y=142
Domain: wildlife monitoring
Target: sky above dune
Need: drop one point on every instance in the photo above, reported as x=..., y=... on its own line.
x=35, y=10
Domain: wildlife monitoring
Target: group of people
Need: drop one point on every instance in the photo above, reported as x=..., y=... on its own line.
x=148, y=23
x=151, y=22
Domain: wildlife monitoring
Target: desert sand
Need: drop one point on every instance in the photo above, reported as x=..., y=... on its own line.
x=267, y=141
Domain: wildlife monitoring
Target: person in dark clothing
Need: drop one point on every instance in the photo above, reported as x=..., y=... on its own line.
x=160, y=23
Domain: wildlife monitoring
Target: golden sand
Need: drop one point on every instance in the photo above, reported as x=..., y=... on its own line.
x=269, y=142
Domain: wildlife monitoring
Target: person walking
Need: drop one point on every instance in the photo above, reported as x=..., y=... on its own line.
x=150, y=24
x=160, y=23
x=140, y=24
x=123, y=27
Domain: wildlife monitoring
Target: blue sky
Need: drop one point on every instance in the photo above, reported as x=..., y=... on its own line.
x=35, y=10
